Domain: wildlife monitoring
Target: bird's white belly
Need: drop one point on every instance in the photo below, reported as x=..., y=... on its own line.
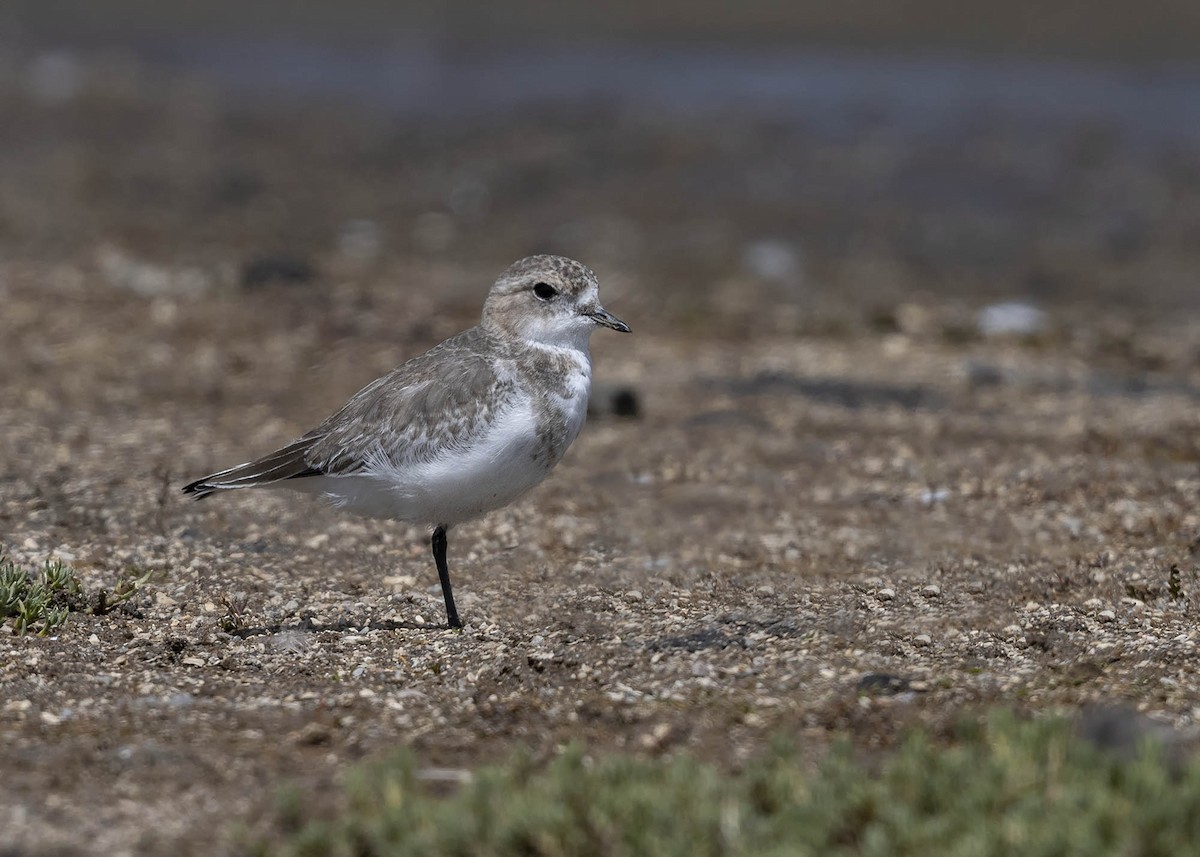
x=462, y=483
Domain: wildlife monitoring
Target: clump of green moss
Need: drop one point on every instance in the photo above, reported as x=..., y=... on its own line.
x=39, y=601
x=1006, y=787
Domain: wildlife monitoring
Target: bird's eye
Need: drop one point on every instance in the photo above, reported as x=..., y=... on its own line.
x=544, y=291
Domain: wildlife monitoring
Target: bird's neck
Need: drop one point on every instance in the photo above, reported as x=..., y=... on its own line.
x=563, y=354
x=569, y=339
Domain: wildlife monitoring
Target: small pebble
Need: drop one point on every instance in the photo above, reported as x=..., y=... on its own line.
x=932, y=591
x=882, y=684
x=613, y=400
x=923, y=640
x=1011, y=318
x=773, y=259
x=932, y=498
x=886, y=594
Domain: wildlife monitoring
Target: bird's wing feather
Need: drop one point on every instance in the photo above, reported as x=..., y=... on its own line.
x=437, y=402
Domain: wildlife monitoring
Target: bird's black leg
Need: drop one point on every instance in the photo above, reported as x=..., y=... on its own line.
x=439, y=557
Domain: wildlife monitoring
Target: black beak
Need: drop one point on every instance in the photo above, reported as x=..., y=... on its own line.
x=602, y=316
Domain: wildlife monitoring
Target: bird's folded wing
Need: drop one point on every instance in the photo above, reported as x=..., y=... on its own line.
x=435, y=404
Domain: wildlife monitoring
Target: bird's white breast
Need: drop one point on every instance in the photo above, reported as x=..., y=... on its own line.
x=572, y=401
x=517, y=451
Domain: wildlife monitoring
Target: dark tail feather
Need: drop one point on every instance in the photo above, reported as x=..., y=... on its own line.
x=285, y=463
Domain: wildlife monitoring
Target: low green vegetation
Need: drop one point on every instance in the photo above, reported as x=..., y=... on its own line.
x=1005, y=787
x=39, y=601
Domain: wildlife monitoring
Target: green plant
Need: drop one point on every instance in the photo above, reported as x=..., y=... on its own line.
x=1003, y=786
x=236, y=609
x=39, y=602
x=128, y=585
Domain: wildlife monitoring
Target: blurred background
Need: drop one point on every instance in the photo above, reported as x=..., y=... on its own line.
x=835, y=162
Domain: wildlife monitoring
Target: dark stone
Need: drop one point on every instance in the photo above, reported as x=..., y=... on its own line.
x=709, y=638
x=614, y=401
x=883, y=684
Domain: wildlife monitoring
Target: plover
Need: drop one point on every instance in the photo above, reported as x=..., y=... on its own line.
x=466, y=427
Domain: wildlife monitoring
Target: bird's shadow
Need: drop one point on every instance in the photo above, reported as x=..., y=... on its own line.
x=307, y=626
x=843, y=392
x=729, y=631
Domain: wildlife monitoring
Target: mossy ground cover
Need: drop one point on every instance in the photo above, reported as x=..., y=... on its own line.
x=39, y=601
x=1006, y=786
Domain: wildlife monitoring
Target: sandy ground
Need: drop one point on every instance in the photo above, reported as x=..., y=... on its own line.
x=833, y=473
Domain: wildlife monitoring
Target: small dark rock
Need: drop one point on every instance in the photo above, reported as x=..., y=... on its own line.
x=256, y=546
x=883, y=684
x=709, y=638
x=614, y=401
